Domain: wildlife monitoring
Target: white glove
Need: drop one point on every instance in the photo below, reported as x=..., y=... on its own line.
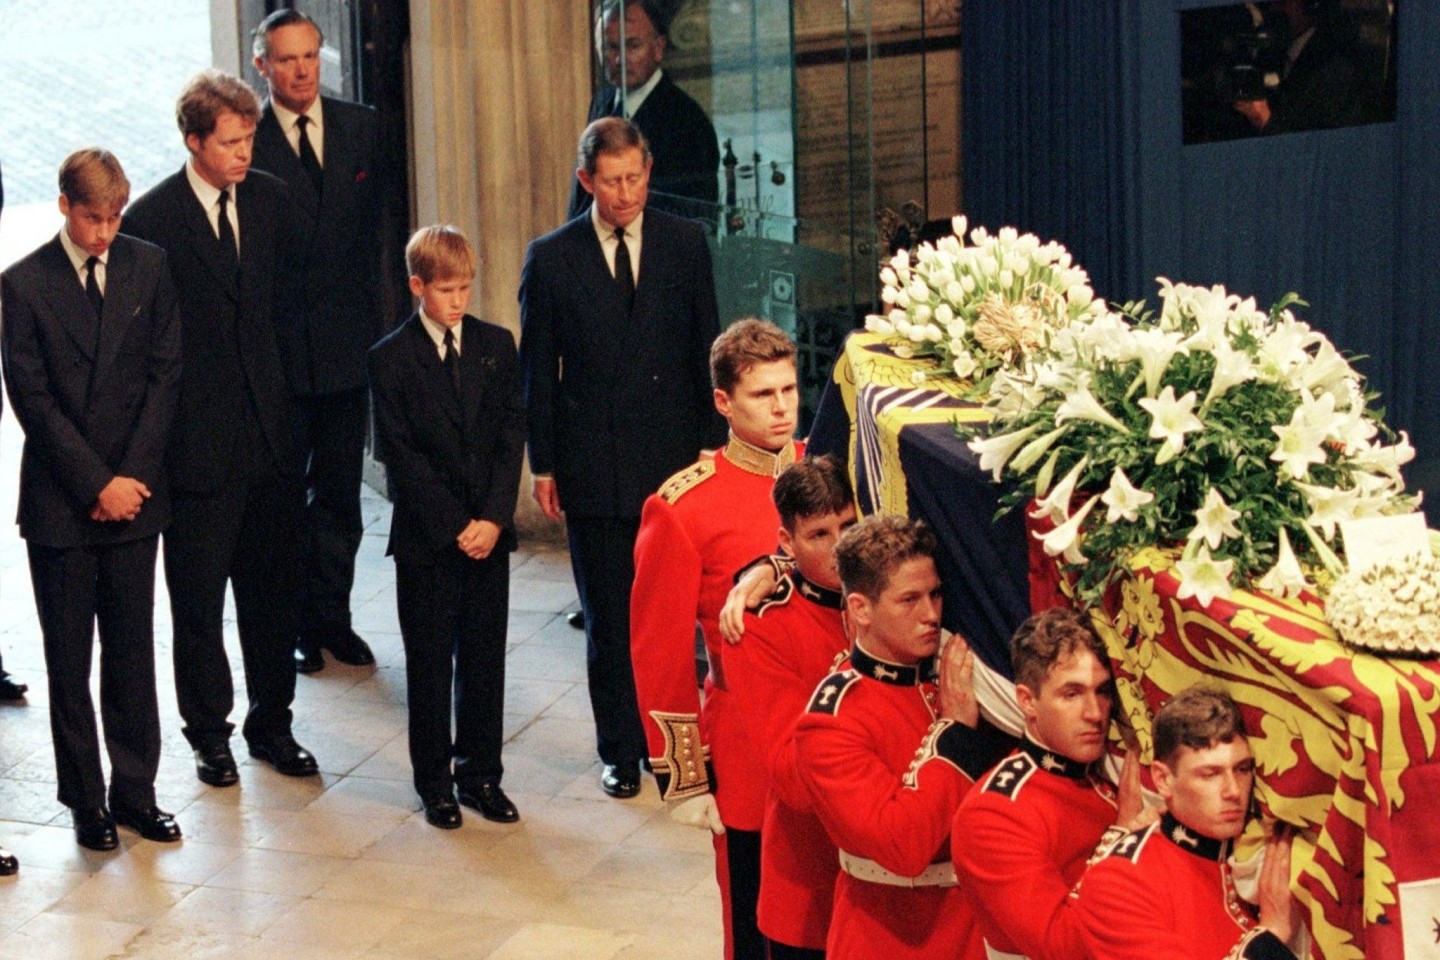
x=699, y=812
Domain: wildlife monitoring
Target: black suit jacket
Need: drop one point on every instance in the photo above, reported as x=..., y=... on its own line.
x=682, y=144
x=324, y=343
x=229, y=321
x=617, y=402
x=95, y=396
x=449, y=458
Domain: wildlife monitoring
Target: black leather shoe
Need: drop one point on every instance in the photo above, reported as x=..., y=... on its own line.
x=621, y=780
x=150, y=822
x=286, y=756
x=308, y=658
x=11, y=689
x=492, y=803
x=441, y=811
x=8, y=863
x=576, y=619
x=346, y=646
x=215, y=765
x=94, y=829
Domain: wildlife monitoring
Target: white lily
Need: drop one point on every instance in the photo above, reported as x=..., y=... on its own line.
x=1215, y=520
x=1301, y=444
x=1064, y=540
x=1056, y=504
x=1035, y=449
x=1329, y=507
x=1172, y=419
x=1154, y=348
x=994, y=452
x=1202, y=576
x=1082, y=405
x=1232, y=368
x=964, y=364
x=1124, y=499
x=1286, y=578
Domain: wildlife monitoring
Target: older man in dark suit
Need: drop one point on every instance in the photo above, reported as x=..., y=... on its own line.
x=92, y=361
x=622, y=299
x=681, y=137
x=326, y=150
x=233, y=464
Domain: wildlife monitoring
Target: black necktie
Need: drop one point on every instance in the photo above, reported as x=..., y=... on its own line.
x=92, y=285
x=617, y=109
x=227, y=232
x=308, y=160
x=451, y=360
x=624, y=275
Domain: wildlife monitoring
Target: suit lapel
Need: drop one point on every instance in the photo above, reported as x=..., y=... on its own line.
x=207, y=245
x=432, y=371
x=71, y=305
x=611, y=324
x=472, y=375
x=119, y=309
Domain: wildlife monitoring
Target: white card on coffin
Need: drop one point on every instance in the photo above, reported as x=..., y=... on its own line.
x=1374, y=541
x=1420, y=918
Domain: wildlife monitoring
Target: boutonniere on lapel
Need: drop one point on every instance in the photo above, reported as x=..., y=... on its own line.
x=360, y=176
x=487, y=364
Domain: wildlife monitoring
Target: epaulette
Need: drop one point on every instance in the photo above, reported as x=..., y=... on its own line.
x=1010, y=776
x=1129, y=846
x=831, y=691
x=686, y=480
x=784, y=590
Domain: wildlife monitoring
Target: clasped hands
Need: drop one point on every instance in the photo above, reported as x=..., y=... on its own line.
x=121, y=499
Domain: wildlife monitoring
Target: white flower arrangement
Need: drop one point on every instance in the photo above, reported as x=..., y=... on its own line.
x=1393, y=608
x=1242, y=434
x=974, y=308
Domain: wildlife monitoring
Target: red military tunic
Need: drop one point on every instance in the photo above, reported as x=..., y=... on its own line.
x=885, y=777
x=704, y=524
x=1165, y=891
x=791, y=643
x=1021, y=840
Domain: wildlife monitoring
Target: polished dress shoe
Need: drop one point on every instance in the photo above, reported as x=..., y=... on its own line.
x=11, y=689
x=491, y=801
x=8, y=863
x=215, y=765
x=346, y=646
x=576, y=619
x=441, y=811
x=94, y=829
x=150, y=822
x=308, y=658
x=285, y=755
x=621, y=780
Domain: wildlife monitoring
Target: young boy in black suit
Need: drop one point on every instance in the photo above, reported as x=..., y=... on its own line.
x=450, y=428
x=91, y=344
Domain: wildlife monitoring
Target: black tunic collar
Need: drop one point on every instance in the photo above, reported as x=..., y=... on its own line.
x=897, y=674
x=1206, y=848
x=816, y=594
x=1052, y=762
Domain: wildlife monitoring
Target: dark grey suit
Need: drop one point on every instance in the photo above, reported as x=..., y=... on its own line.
x=634, y=406
x=325, y=341
x=233, y=464
x=95, y=396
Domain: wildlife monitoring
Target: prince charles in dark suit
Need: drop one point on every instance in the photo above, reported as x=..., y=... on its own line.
x=616, y=334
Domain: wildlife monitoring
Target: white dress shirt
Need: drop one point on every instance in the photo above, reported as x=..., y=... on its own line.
x=78, y=256
x=315, y=131
x=606, y=232
x=209, y=198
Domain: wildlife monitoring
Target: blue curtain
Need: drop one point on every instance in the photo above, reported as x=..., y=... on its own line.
x=1072, y=130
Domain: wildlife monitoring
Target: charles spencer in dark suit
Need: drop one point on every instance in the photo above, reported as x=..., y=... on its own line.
x=327, y=151
x=93, y=377
x=615, y=350
x=451, y=432
x=233, y=465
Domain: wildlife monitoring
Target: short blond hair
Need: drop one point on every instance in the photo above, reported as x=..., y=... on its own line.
x=439, y=252
x=94, y=177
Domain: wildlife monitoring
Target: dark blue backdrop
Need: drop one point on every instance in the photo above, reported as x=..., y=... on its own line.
x=1072, y=130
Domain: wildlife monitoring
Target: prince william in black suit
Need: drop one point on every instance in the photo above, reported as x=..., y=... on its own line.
x=618, y=313
x=326, y=150
x=234, y=471
x=91, y=345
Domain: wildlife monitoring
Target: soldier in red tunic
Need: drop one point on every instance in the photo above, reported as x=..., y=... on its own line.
x=888, y=747
x=1167, y=890
x=793, y=640
x=705, y=523
x=1024, y=836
